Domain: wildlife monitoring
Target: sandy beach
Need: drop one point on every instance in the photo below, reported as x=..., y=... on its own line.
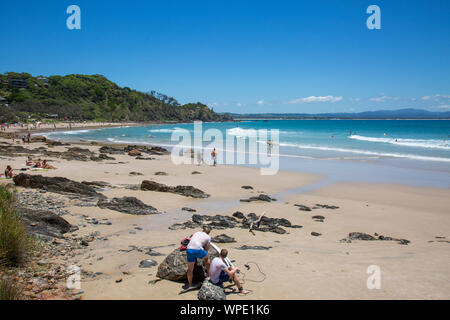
x=297, y=265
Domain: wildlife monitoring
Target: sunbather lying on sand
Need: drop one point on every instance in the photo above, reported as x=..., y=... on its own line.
x=38, y=164
x=45, y=165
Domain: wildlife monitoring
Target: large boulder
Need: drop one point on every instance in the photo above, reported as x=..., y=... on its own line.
x=110, y=150
x=134, y=153
x=38, y=139
x=187, y=191
x=55, y=184
x=45, y=223
x=210, y=291
x=129, y=205
x=174, y=267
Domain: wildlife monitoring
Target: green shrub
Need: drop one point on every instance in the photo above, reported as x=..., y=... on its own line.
x=14, y=241
x=9, y=290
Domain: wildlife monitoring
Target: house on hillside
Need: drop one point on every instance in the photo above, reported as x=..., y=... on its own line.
x=44, y=80
x=19, y=83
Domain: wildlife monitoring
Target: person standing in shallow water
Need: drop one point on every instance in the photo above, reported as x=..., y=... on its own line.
x=214, y=156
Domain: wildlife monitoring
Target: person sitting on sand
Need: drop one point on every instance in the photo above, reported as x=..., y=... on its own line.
x=219, y=272
x=45, y=165
x=197, y=249
x=30, y=162
x=9, y=172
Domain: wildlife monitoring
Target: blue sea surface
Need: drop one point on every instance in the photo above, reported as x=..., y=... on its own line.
x=413, y=152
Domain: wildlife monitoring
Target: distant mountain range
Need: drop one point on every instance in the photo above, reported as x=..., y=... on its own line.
x=380, y=114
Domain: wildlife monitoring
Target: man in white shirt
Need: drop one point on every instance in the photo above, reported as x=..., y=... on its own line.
x=197, y=249
x=219, y=272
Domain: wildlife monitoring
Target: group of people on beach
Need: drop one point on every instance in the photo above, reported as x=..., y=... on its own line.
x=38, y=164
x=219, y=272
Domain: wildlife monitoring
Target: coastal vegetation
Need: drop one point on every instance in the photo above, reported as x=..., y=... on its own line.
x=90, y=97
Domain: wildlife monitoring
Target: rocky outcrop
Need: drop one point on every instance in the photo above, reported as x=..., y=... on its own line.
x=187, y=191
x=245, y=247
x=111, y=150
x=38, y=139
x=261, y=197
x=368, y=237
x=223, y=238
x=130, y=205
x=174, y=267
x=55, y=184
x=44, y=223
x=302, y=207
x=99, y=184
x=219, y=222
x=134, y=153
x=210, y=291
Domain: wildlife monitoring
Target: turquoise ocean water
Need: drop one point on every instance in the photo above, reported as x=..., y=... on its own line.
x=413, y=152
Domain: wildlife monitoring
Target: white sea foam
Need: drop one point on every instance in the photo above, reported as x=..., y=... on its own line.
x=367, y=152
x=165, y=130
x=244, y=133
x=75, y=132
x=418, y=143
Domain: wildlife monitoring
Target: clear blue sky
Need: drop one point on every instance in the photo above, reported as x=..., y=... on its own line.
x=243, y=56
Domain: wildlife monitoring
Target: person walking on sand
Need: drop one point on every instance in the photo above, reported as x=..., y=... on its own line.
x=219, y=272
x=197, y=249
x=214, y=156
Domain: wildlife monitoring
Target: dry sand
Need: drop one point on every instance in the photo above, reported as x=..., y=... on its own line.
x=299, y=265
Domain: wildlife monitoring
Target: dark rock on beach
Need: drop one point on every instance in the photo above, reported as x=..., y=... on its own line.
x=245, y=247
x=55, y=184
x=111, y=150
x=247, y=187
x=44, y=223
x=174, y=267
x=219, y=222
x=368, y=237
x=99, y=184
x=188, y=209
x=147, y=263
x=238, y=215
x=261, y=197
x=316, y=234
x=303, y=207
x=130, y=205
x=210, y=291
x=325, y=206
x=223, y=238
x=187, y=191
